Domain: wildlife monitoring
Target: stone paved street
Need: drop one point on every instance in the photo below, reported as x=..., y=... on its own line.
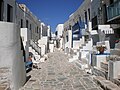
x=57, y=73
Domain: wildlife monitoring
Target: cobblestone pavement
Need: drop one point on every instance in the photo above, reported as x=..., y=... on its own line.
x=57, y=73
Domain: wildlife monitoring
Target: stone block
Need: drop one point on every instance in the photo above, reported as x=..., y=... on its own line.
x=117, y=46
x=100, y=72
x=105, y=84
x=4, y=87
x=116, y=81
x=115, y=52
x=104, y=65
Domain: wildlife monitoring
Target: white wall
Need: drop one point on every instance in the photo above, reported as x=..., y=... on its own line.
x=61, y=43
x=43, y=49
x=51, y=47
x=116, y=71
x=43, y=41
x=76, y=44
x=11, y=54
x=49, y=30
x=69, y=43
x=82, y=40
x=59, y=30
x=25, y=34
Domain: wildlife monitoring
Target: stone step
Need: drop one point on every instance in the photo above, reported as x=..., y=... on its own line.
x=81, y=65
x=117, y=45
x=115, y=52
x=104, y=65
x=105, y=84
x=113, y=58
x=100, y=72
x=4, y=87
x=116, y=81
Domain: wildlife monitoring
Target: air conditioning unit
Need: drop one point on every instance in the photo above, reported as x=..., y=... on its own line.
x=113, y=69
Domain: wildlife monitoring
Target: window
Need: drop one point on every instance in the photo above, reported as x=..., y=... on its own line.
x=37, y=30
x=111, y=1
x=9, y=13
x=30, y=27
x=89, y=13
x=39, y=33
x=21, y=23
x=86, y=17
x=70, y=28
x=80, y=19
x=56, y=33
x=94, y=22
x=1, y=10
x=26, y=23
x=67, y=38
x=105, y=13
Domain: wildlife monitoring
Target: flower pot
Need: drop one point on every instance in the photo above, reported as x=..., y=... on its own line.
x=101, y=50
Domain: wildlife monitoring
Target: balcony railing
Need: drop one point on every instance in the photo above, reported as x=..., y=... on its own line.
x=113, y=10
x=35, y=47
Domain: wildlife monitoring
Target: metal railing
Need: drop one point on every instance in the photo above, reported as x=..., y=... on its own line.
x=113, y=10
x=35, y=47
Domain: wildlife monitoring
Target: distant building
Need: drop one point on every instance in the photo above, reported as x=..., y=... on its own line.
x=59, y=30
x=105, y=17
x=79, y=23
x=11, y=47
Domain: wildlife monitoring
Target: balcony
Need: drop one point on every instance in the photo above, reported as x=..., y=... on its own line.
x=113, y=11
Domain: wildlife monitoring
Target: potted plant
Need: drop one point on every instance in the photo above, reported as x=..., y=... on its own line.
x=101, y=49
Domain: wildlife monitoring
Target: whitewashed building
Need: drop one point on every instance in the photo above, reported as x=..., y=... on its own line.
x=80, y=24
x=59, y=30
x=20, y=32
x=11, y=53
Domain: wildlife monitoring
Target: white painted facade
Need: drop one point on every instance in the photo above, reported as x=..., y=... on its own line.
x=67, y=43
x=16, y=22
x=25, y=35
x=28, y=20
x=79, y=16
x=43, y=43
x=113, y=71
x=59, y=30
x=11, y=55
x=51, y=47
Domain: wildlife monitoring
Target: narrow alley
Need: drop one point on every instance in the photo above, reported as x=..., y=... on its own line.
x=57, y=73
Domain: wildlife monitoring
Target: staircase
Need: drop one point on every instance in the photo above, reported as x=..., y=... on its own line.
x=35, y=49
x=110, y=69
x=81, y=55
x=74, y=53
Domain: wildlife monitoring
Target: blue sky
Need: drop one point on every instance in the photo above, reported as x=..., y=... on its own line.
x=52, y=12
